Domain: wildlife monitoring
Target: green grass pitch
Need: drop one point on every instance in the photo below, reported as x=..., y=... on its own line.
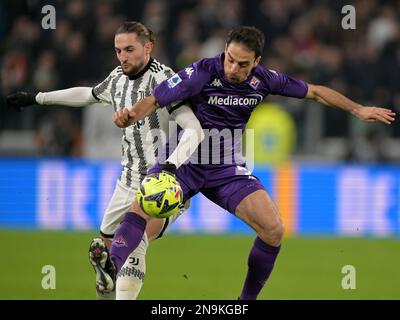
x=203, y=267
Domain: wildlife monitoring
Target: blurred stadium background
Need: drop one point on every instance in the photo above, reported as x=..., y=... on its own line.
x=336, y=180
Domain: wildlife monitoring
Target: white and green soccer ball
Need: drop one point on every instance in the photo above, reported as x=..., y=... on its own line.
x=160, y=195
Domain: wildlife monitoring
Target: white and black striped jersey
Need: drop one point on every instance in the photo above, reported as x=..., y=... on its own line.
x=139, y=141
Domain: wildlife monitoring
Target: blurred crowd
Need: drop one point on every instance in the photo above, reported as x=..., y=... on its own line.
x=304, y=38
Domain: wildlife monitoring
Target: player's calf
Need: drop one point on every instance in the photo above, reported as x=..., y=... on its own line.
x=259, y=212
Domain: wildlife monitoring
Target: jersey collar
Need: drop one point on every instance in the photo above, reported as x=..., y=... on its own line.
x=143, y=71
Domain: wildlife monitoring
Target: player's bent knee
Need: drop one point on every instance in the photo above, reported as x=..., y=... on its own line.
x=136, y=209
x=281, y=231
x=277, y=233
x=273, y=235
x=153, y=228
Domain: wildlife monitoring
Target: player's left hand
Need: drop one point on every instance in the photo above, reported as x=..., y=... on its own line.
x=124, y=118
x=166, y=166
x=372, y=114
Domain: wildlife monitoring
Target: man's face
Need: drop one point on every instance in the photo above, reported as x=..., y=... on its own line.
x=238, y=62
x=131, y=53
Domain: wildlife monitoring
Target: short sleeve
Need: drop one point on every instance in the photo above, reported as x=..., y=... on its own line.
x=162, y=75
x=102, y=91
x=183, y=85
x=284, y=85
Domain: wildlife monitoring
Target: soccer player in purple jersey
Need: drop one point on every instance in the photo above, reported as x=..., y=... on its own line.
x=223, y=91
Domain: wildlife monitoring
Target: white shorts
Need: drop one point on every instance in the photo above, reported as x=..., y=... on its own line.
x=119, y=205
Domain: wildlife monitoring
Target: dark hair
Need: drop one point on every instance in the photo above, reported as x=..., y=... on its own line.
x=251, y=37
x=143, y=33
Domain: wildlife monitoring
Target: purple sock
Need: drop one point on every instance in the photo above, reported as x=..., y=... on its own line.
x=261, y=262
x=127, y=238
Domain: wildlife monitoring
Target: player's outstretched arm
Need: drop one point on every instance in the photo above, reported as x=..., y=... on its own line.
x=332, y=98
x=125, y=117
x=72, y=97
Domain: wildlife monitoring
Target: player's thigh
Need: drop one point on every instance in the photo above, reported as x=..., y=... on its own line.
x=260, y=212
x=246, y=197
x=118, y=206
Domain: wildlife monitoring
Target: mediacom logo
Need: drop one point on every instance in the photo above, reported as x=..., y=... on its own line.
x=250, y=100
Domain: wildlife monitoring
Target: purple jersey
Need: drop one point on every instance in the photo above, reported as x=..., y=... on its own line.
x=220, y=105
x=216, y=102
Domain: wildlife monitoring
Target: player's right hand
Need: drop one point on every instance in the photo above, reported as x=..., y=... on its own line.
x=372, y=114
x=19, y=100
x=124, y=118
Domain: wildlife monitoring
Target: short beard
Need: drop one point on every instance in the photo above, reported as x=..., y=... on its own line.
x=133, y=71
x=129, y=73
x=235, y=80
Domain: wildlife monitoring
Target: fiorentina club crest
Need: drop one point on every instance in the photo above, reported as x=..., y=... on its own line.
x=120, y=242
x=254, y=82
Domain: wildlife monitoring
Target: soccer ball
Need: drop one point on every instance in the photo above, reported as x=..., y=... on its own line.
x=160, y=195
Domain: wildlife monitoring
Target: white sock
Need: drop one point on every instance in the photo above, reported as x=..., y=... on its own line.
x=131, y=276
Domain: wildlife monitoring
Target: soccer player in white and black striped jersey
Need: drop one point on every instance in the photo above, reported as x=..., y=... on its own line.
x=135, y=78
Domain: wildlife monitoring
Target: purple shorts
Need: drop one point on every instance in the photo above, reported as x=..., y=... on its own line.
x=225, y=185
